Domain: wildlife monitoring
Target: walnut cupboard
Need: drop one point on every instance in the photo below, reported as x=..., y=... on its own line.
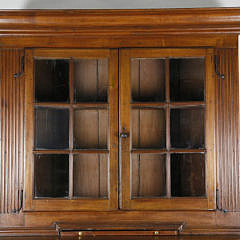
x=109, y=115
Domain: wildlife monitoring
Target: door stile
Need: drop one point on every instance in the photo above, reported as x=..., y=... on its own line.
x=124, y=128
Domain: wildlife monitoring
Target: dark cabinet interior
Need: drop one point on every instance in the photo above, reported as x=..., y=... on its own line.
x=51, y=80
x=51, y=175
x=62, y=124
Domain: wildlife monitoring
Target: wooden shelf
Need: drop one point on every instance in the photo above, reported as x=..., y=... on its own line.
x=90, y=104
x=163, y=151
x=75, y=151
x=171, y=104
x=149, y=104
x=74, y=105
x=187, y=104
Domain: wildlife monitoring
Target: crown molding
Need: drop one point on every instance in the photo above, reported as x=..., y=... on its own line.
x=120, y=22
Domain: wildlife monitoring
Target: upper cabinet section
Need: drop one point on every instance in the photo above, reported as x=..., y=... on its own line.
x=171, y=104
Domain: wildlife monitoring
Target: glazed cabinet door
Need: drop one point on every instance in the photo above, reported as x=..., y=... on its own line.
x=72, y=130
x=167, y=129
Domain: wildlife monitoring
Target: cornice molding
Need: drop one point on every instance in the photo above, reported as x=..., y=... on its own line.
x=120, y=22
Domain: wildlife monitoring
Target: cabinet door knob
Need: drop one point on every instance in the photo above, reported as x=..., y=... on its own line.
x=123, y=135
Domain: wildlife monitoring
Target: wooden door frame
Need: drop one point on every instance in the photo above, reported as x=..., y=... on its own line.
x=181, y=203
x=31, y=204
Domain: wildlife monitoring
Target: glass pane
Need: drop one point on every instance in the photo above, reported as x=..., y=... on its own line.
x=187, y=77
x=148, y=128
x=51, y=175
x=90, y=80
x=90, y=175
x=187, y=128
x=148, y=175
x=51, y=80
x=51, y=128
x=188, y=175
x=91, y=128
x=148, y=80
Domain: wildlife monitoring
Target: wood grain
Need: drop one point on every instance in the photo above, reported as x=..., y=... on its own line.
x=90, y=80
x=147, y=80
x=160, y=20
x=104, y=41
x=148, y=128
x=120, y=28
x=90, y=128
x=227, y=108
x=12, y=130
x=90, y=176
x=148, y=175
x=125, y=126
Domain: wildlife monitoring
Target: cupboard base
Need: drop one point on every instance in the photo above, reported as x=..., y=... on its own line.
x=43, y=223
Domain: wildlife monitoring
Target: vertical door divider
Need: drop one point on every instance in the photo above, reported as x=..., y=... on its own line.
x=119, y=140
x=71, y=93
x=168, y=136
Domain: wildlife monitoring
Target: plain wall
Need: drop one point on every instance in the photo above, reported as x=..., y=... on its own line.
x=114, y=4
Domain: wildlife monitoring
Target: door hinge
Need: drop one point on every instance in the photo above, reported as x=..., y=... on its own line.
x=20, y=203
x=19, y=74
x=219, y=75
x=218, y=202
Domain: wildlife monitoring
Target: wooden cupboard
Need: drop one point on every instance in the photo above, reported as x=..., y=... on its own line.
x=124, y=118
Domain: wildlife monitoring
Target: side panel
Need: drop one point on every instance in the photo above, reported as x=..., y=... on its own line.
x=227, y=124
x=11, y=130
